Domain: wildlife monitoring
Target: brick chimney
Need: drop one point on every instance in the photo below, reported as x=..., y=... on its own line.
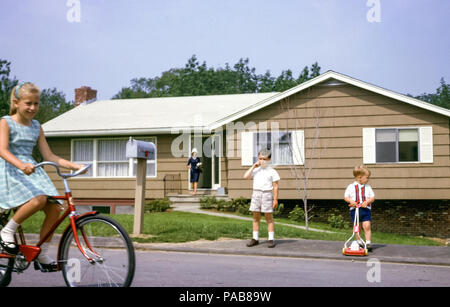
x=83, y=94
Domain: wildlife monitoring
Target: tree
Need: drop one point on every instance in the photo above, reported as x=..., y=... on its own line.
x=6, y=86
x=197, y=79
x=52, y=102
x=302, y=172
x=441, y=98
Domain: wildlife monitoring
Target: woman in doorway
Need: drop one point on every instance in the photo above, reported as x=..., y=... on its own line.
x=194, y=165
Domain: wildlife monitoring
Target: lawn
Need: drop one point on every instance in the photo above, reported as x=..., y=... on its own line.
x=178, y=226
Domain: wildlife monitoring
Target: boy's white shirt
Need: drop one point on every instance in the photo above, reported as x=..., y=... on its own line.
x=263, y=178
x=350, y=192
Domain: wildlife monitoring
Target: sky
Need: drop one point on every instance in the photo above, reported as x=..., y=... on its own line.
x=401, y=45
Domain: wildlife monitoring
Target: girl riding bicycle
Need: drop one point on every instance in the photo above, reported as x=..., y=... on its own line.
x=21, y=185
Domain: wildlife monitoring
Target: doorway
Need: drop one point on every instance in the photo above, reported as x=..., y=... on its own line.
x=208, y=148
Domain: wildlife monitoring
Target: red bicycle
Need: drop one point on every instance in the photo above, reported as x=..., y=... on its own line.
x=94, y=250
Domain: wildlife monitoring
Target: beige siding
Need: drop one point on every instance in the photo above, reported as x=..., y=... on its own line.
x=343, y=112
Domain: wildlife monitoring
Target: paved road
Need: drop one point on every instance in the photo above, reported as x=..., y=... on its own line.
x=180, y=269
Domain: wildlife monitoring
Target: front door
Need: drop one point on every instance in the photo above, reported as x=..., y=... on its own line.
x=208, y=151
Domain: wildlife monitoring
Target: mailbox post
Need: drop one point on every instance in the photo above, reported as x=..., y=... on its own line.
x=142, y=151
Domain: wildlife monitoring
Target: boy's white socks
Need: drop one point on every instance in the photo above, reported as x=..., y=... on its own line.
x=271, y=235
x=8, y=231
x=256, y=235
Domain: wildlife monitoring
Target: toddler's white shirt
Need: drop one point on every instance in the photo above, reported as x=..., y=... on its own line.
x=355, y=192
x=264, y=177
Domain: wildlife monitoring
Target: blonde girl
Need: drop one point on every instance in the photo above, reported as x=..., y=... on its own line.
x=21, y=185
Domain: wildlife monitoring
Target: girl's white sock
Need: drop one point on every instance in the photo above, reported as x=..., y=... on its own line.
x=8, y=231
x=271, y=235
x=43, y=257
x=256, y=235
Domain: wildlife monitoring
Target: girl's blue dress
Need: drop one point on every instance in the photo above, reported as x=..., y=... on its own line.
x=16, y=188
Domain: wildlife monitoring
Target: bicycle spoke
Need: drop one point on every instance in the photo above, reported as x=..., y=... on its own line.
x=104, y=241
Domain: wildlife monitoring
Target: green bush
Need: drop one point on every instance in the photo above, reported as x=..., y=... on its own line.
x=242, y=205
x=297, y=214
x=337, y=221
x=157, y=205
x=223, y=205
x=278, y=211
x=244, y=209
x=208, y=202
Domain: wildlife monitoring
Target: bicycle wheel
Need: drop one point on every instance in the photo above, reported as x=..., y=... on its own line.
x=6, y=263
x=108, y=244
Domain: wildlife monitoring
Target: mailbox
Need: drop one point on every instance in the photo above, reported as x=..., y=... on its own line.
x=140, y=149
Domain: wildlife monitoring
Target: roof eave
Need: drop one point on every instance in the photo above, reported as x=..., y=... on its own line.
x=331, y=75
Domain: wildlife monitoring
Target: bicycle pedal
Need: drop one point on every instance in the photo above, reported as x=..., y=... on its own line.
x=45, y=268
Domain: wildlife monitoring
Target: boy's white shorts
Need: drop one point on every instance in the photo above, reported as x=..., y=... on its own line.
x=262, y=201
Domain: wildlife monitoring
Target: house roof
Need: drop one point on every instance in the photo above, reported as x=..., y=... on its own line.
x=329, y=76
x=149, y=115
x=166, y=115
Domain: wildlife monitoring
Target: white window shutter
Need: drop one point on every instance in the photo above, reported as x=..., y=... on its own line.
x=426, y=144
x=298, y=147
x=247, y=148
x=369, y=152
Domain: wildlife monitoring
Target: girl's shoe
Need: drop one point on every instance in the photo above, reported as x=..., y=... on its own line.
x=46, y=268
x=9, y=247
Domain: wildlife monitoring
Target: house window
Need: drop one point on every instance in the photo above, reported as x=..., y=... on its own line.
x=277, y=143
x=397, y=145
x=108, y=157
x=111, y=159
x=83, y=153
x=287, y=147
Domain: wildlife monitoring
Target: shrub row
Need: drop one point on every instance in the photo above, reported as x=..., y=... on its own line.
x=242, y=206
x=157, y=205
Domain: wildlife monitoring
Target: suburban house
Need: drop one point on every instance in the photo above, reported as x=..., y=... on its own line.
x=321, y=129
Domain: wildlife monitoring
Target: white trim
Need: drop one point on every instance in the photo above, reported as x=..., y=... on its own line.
x=369, y=146
x=298, y=147
x=426, y=144
x=246, y=148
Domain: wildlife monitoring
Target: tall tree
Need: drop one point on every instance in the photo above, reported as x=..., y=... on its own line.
x=52, y=102
x=441, y=98
x=6, y=86
x=199, y=79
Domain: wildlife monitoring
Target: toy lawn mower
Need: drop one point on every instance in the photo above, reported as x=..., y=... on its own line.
x=355, y=249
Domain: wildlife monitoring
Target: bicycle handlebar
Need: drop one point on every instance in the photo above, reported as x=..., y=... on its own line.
x=65, y=175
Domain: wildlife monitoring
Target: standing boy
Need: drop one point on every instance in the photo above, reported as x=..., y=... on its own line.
x=265, y=195
x=359, y=192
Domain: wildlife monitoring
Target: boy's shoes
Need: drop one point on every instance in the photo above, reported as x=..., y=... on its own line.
x=271, y=244
x=253, y=242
